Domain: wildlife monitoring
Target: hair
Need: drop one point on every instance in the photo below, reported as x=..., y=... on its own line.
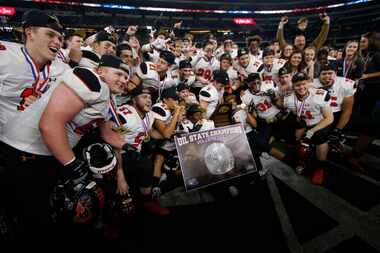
x=310, y=48
x=121, y=47
x=373, y=41
x=282, y=51
x=34, y=28
x=302, y=64
x=357, y=57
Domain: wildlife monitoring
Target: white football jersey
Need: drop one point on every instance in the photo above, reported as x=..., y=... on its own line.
x=137, y=128
x=232, y=74
x=262, y=103
x=268, y=85
x=204, y=68
x=309, y=109
x=240, y=116
x=252, y=67
x=257, y=56
x=63, y=55
x=341, y=88
x=151, y=79
x=161, y=112
x=20, y=78
x=211, y=95
x=271, y=73
x=88, y=86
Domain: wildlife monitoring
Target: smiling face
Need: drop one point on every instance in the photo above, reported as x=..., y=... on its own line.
x=363, y=43
x=115, y=78
x=327, y=77
x=43, y=43
x=143, y=102
x=244, y=60
x=295, y=59
x=105, y=47
x=352, y=48
x=309, y=54
x=300, y=88
x=300, y=42
x=288, y=50
x=75, y=42
x=162, y=65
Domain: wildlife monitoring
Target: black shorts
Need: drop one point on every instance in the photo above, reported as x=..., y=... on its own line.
x=321, y=136
x=369, y=96
x=26, y=181
x=138, y=170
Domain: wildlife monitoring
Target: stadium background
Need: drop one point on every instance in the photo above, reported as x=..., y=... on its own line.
x=282, y=213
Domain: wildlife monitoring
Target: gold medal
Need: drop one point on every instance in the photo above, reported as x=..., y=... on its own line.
x=147, y=138
x=120, y=129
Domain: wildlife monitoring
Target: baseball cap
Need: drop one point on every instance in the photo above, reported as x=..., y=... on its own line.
x=138, y=91
x=185, y=64
x=105, y=36
x=41, y=19
x=221, y=76
x=113, y=61
x=253, y=77
x=242, y=51
x=284, y=70
x=182, y=86
x=168, y=56
x=170, y=93
x=299, y=77
x=268, y=51
x=193, y=108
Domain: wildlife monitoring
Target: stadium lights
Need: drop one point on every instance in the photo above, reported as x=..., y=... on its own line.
x=160, y=9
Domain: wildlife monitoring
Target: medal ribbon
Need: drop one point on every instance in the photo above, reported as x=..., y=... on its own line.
x=146, y=124
x=113, y=112
x=299, y=110
x=40, y=84
x=346, y=67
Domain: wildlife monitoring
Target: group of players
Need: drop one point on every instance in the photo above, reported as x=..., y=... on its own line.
x=56, y=89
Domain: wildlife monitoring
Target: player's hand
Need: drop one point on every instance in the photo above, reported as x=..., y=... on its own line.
x=309, y=134
x=284, y=20
x=178, y=24
x=132, y=29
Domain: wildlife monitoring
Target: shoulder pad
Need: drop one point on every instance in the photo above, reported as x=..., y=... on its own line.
x=205, y=93
x=143, y=68
x=88, y=78
x=90, y=55
x=160, y=111
x=260, y=68
x=327, y=97
x=121, y=118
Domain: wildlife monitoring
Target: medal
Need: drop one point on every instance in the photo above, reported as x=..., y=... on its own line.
x=40, y=85
x=300, y=109
x=117, y=127
x=120, y=129
x=146, y=126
